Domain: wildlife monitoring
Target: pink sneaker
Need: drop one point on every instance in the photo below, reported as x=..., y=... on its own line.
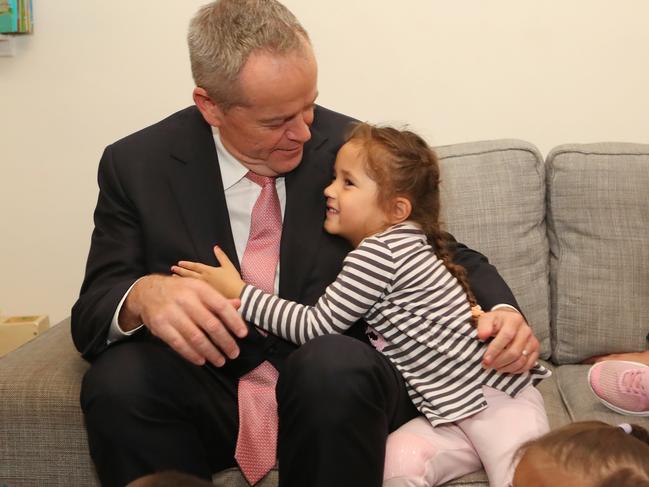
x=622, y=386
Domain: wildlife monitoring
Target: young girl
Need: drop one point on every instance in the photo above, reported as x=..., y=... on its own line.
x=384, y=200
x=588, y=454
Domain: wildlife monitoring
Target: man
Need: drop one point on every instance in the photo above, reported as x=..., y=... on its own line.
x=168, y=353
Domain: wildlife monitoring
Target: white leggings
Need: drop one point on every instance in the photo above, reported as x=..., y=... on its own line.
x=418, y=455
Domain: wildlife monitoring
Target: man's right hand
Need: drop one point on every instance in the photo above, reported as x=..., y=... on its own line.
x=187, y=314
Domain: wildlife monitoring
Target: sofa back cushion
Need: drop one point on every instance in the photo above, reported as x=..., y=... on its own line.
x=598, y=225
x=493, y=200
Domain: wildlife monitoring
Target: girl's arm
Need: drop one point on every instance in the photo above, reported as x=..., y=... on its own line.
x=367, y=272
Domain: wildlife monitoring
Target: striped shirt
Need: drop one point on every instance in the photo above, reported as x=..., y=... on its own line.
x=396, y=282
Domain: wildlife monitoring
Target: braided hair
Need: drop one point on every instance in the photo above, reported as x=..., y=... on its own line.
x=403, y=164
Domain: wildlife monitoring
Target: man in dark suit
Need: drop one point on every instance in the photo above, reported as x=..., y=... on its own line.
x=167, y=352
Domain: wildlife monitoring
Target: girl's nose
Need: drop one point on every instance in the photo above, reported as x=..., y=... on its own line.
x=328, y=191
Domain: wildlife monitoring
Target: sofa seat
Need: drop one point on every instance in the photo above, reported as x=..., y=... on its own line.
x=568, y=233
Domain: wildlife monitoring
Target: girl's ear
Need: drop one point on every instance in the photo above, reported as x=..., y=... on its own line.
x=401, y=209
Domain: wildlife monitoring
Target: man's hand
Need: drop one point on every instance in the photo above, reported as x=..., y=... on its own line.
x=187, y=314
x=225, y=279
x=514, y=349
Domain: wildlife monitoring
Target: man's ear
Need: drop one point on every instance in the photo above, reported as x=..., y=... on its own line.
x=401, y=209
x=208, y=108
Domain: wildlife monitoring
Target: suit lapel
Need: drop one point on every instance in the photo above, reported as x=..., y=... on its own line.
x=304, y=215
x=195, y=181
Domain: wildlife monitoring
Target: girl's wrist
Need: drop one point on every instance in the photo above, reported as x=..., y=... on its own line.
x=239, y=289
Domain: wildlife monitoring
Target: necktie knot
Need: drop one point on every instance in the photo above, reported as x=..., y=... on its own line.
x=260, y=180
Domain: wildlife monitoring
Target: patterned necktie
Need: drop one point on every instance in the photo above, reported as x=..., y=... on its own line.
x=256, y=449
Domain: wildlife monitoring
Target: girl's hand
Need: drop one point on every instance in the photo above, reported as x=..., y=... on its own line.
x=225, y=279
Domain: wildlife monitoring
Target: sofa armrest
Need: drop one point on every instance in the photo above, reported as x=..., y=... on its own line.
x=42, y=435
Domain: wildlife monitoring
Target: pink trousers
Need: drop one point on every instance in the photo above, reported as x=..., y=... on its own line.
x=418, y=455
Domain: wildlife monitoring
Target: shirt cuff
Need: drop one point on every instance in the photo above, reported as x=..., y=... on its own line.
x=503, y=305
x=115, y=332
x=246, y=295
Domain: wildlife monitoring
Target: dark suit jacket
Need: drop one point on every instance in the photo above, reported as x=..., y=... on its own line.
x=161, y=200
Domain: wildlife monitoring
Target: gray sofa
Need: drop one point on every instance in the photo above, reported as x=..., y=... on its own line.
x=570, y=234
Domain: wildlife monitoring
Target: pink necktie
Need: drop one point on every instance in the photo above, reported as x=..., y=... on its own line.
x=256, y=450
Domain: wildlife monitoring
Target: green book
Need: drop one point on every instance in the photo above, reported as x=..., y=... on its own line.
x=16, y=17
x=8, y=16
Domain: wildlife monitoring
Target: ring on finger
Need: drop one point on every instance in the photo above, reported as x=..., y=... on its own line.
x=525, y=353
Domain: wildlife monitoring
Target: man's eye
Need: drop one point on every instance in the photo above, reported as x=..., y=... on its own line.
x=274, y=123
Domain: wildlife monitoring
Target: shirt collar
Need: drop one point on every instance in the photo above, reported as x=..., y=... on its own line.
x=232, y=171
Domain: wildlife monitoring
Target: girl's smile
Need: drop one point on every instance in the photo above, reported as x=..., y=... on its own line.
x=353, y=209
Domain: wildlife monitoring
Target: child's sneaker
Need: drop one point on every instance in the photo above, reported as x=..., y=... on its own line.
x=622, y=386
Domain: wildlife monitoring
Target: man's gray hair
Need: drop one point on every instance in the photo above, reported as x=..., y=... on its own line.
x=224, y=33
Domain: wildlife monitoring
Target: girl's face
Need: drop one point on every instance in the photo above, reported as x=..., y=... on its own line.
x=353, y=211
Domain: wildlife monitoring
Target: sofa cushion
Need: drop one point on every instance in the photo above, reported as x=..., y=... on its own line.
x=493, y=200
x=598, y=224
x=42, y=437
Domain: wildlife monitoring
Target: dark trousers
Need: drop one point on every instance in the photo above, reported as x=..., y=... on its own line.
x=149, y=410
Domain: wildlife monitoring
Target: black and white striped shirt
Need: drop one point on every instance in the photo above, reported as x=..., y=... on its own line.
x=402, y=289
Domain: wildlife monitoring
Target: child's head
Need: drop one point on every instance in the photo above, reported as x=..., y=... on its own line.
x=588, y=454
x=383, y=176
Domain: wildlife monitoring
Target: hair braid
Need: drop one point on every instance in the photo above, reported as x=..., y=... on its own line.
x=439, y=241
x=403, y=164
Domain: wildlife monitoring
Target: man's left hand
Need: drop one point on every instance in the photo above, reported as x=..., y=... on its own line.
x=514, y=348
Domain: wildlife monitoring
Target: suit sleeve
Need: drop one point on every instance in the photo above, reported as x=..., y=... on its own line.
x=115, y=262
x=488, y=286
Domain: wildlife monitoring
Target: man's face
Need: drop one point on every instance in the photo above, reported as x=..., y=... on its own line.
x=268, y=133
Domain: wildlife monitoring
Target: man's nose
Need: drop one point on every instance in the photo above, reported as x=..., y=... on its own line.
x=299, y=130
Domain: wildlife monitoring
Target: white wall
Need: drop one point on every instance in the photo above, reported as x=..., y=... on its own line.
x=550, y=72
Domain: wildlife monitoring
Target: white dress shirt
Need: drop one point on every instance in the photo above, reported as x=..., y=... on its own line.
x=240, y=196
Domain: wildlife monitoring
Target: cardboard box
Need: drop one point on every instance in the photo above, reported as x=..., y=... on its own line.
x=17, y=330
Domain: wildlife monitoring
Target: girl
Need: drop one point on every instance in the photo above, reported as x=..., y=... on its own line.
x=384, y=199
x=588, y=454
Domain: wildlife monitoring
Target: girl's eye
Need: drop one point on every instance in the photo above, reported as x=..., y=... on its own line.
x=348, y=182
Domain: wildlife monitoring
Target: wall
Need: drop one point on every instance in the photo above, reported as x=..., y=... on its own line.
x=549, y=72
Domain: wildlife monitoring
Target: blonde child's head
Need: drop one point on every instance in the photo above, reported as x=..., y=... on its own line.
x=586, y=454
